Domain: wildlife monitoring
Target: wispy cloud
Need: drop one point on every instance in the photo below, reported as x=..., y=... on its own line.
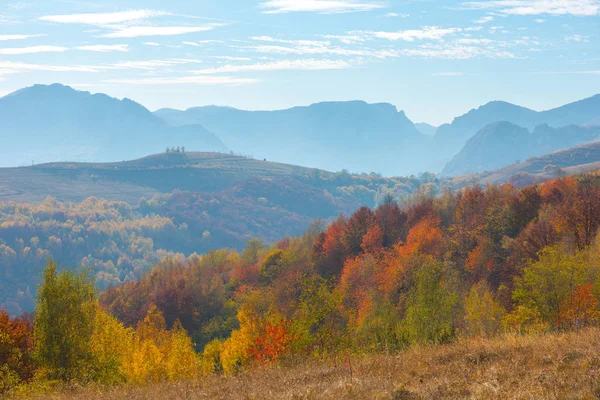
x=104, y=19
x=536, y=7
x=282, y=65
x=105, y=48
x=154, y=44
x=396, y=15
x=426, y=33
x=457, y=52
x=8, y=67
x=32, y=50
x=319, y=6
x=153, y=64
x=484, y=20
x=576, y=38
x=231, y=58
x=315, y=47
x=143, y=31
x=18, y=37
x=187, y=80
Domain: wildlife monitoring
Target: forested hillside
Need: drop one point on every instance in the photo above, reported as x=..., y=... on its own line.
x=473, y=263
x=140, y=211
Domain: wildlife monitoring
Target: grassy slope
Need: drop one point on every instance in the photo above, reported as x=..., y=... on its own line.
x=559, y=366
x=130, y=180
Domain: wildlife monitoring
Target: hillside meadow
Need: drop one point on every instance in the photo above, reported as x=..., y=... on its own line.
x=552, y=366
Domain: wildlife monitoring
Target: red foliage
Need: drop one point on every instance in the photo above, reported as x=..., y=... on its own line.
x=273, y=343
x=16, y=344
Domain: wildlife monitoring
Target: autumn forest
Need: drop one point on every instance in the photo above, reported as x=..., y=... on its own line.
x=470, y=264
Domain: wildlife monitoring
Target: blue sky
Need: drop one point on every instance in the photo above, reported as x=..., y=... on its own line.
x=433, y=59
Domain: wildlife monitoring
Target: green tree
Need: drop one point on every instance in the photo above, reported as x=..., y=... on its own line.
x=430, y=316
x=64, y=324
x=551, y=280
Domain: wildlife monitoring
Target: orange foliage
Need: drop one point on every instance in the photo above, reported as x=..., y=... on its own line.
x=273, y=343
x=16, y=343
x=582, y=309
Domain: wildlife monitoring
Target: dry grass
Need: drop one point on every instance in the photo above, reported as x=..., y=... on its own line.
x=561, y=366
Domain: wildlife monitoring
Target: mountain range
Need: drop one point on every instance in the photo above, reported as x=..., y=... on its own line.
x=352, y=135
x=502, y=143
x=57, y=123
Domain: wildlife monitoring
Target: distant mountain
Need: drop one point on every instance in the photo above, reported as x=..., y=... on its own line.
x=352, y=135
x=502, y=143
x=569, y=161
x=426, y=129
x=51, y=123
x=450, y=138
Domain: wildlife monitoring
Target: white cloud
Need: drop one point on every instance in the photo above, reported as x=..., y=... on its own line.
x=230, y=58
x=194, y=44
x=427, y=33
x=103, y=48
x=346, y=39
x=153, y=64
x=32, y=50
x=314, y=47
x=7, y=67
x=154, y=44
x=576, y=38
x=474, y=41
x=456, y=52
x=539, y=20
x=536, y=7
x=484, y=20
x=104, y=19
x=319, y=6
x=141, y=31
x=396, y=15
x=193, y=80
x=18, y=37
x=282, y=65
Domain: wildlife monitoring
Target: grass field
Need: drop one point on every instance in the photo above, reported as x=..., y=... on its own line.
x=558, y=366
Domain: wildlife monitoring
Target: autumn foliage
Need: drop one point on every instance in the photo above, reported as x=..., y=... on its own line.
x=474, y=263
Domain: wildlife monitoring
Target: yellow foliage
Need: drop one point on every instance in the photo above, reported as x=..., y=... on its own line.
x=111, y=344
x=483, y=314
x=211, y=358
x=235, y=353
x=150, y=354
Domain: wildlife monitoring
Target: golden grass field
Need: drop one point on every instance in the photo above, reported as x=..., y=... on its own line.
x=558, y=366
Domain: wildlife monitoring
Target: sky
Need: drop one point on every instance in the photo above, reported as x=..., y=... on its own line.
x=433, y=59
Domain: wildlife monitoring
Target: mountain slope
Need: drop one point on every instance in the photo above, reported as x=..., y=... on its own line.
x=573, y=160
x=450, y=138
x=503, y=143
x=336, y=135
x=426, y=129
x=49, y=123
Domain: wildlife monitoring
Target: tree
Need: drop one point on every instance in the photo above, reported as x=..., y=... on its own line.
x=549, y=282
x=483, y=315
x=431, y=306
x=16, y=342
x=64, y=324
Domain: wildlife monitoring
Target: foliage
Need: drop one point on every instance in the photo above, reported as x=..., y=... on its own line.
x=64, y=323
